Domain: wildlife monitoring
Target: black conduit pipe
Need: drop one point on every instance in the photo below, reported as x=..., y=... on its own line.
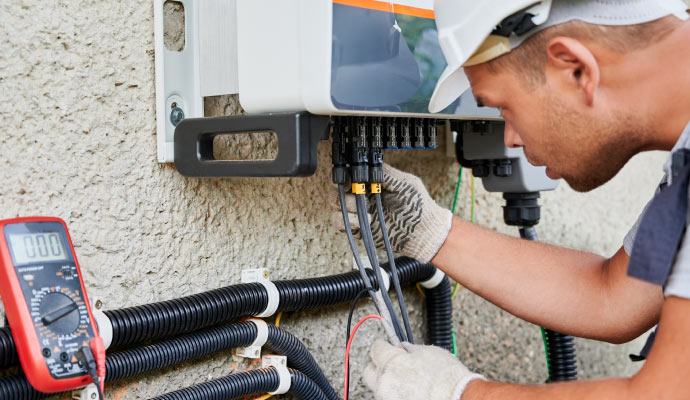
x=128, y=363
x=8, y=353
x=18, y=388
x=167, y=318
x=560, y=348
x=439, y=309
x=136, y=361
x=158, y=320
x=247, y=383
x=439, y=305
x=299, y=358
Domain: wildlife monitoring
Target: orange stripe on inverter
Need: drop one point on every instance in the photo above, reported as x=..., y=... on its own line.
x=388, y=7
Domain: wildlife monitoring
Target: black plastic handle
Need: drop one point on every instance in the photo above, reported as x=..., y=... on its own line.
x=298, y=137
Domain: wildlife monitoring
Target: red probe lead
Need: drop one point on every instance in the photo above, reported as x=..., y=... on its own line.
x=98, y=350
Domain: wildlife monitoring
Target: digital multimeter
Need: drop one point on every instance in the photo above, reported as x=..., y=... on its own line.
x=45, y=302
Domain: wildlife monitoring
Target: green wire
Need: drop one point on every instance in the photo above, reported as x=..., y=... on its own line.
x=455, y=289
x=472, y=208
x=457, y=190
x=546, y=349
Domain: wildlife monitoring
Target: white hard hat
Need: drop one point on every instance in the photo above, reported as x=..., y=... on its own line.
x=472, y=32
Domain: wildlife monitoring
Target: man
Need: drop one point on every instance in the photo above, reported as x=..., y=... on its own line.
x=583, y=86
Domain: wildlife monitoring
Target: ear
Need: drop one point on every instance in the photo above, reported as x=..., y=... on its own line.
x=575, y=63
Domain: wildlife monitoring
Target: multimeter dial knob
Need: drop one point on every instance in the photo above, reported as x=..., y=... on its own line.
x=59, y=313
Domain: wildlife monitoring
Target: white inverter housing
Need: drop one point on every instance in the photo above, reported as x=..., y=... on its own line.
x=320, y=58
x=341, y=57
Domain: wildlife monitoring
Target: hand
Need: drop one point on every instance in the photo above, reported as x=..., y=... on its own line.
x=415, y=372
x=417, y=226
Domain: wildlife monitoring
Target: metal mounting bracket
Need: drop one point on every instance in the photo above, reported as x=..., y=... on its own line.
x=206, y=66
x=298, y=137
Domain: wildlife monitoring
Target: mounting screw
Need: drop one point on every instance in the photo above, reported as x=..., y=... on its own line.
x=93, y=395
x=176, y=116
x=99, y=304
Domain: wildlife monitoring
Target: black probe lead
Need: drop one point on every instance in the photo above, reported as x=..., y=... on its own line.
x=368, y=240
x=86, y=357
x=394, y=270
x=358, y=260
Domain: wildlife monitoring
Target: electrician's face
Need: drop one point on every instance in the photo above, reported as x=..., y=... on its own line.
x=584, y=146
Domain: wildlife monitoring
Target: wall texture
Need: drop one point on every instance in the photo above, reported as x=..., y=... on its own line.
x=79, y=142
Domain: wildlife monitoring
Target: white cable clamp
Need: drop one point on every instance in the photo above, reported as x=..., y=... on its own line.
x=386, y=279
x=280, y=364
x=88, y=392
x=260, y=275
x=434, y=281
x=367, y=265
x=105, y=326
x=254, y=349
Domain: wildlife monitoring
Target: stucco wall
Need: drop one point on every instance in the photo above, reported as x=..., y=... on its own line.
x=79, y=143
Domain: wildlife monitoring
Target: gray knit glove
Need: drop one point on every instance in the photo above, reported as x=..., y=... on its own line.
x=415, y=372
x=417, y=226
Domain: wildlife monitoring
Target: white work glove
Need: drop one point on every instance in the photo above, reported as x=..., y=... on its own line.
x=415, y=372
x=417, y=226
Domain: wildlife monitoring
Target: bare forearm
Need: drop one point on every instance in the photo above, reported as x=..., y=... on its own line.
x=562, y=289
x=611, y=389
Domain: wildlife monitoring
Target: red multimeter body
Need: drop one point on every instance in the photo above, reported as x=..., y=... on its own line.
x=45, y=301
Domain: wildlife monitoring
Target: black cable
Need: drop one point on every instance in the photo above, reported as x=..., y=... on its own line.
x=373, y=258
x=353, y=247
x=394, y=270
x=351, y=313
x=349, y=328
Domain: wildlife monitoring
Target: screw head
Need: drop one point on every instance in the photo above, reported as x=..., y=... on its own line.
x=98, y=304
x=176, y=116
x=93, y=395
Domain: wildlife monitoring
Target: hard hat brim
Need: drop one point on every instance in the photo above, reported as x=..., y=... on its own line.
x=451, y=85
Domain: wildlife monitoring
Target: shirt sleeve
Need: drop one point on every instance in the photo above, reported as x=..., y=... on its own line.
x=629, y=239
x=678, y=283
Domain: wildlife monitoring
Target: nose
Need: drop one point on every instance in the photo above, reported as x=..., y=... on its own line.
x=512, y=137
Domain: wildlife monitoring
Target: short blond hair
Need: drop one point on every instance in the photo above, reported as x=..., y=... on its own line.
x=529, y=59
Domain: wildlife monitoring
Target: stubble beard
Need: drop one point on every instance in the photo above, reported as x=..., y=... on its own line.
x=585, y=152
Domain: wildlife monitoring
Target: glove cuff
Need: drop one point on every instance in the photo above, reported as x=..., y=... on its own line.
x=462, y=385
x=438, y=225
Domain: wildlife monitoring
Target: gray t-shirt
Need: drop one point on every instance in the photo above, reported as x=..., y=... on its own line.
x=678, y=283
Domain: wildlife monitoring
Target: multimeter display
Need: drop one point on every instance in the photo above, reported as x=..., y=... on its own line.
x=28, y=248
x=54, y=304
